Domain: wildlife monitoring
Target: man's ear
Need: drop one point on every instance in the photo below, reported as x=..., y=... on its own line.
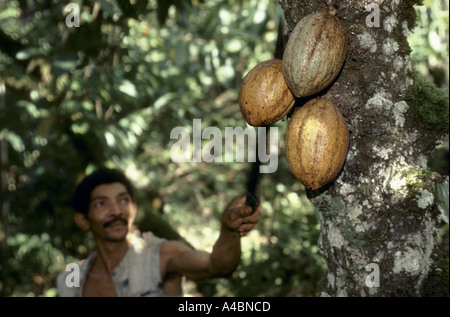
x=81, y=221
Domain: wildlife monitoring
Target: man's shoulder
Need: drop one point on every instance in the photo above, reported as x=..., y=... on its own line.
x=149, y=241
x=174, y=246
x=146, y=240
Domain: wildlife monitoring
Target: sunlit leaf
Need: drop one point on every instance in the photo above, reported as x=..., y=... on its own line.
x=80, y=128
x=28, y=53
x=13, y=139
x=442, y=198
x=164, y=100
x=127, y=87
x=64, y=63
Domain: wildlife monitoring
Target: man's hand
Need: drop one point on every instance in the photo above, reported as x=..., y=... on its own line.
x=238, y=217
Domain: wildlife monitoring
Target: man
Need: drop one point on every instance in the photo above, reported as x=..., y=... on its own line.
x=124, y=264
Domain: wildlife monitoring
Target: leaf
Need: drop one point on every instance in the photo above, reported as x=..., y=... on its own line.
x=27, y=53
x=64, y=63
x=442, y=199
x=164, y=6
x=128, y=88
x=13, y=139
x=110, y=7
x=435, y=41
x=163, y=10
x=164, y=100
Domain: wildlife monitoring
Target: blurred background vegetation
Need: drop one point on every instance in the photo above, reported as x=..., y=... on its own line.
x=110, y=92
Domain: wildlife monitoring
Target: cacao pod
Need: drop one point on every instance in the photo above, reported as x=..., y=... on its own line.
x=264, y=97
x=314, y=53
x=316, y=142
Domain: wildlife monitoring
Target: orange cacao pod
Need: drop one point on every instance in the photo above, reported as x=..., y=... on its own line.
x=316, y=142
x=264, y=97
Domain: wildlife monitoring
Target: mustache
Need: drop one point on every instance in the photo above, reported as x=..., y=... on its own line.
x=107, y=224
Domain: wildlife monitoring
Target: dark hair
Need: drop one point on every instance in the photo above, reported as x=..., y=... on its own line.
x=82, y=196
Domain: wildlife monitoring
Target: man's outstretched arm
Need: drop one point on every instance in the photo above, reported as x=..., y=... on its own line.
x=237, y=220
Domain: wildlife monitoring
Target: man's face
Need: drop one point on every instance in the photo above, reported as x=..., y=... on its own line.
x=111, y=212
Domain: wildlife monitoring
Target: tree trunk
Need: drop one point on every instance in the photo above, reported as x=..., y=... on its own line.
x=378, y=218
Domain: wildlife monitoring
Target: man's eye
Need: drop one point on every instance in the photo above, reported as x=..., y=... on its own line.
x=99, y=204
x=125, y=200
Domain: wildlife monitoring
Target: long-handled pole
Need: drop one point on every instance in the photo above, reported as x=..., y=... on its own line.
x=252, y=199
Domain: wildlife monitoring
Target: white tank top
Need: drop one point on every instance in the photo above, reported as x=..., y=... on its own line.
x=138, y=274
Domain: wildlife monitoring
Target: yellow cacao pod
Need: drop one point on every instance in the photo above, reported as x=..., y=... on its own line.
x=264, y=97
x=314, y=53
x=316, y=142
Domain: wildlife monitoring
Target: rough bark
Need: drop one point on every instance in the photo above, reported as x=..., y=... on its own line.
x=381, y=207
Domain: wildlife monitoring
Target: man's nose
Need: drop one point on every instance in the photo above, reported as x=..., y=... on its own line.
x=115, y=209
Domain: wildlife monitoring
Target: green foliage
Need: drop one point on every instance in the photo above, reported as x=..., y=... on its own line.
x=109, y=93
x=430, y=42
x=416, y=177
x=431, y=105
x=430, y=57
x=442, y=198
